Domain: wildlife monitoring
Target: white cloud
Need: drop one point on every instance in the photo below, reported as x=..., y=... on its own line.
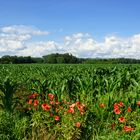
x=17, y=40
x=22, y=29
x=14, y=38
x=12, y=43
x=78, y=35
x=41, y=48
x=112, y=47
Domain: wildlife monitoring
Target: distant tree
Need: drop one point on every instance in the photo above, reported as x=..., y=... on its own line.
x=37, y=59
x=69, y=58
x=60, y=60
x=50, y=59
x=6, y=59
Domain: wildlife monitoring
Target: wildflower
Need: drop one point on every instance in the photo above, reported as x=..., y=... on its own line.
x=51, y=114
x=51, y=96
x=129, y=109
x=30, y=97
x=83, y=105
x=36, y=102
x=71, y=110
x=57, y=118
x=68, y=103
x=122, y=119
x=138, y=103
x=30, y=101
x=72, y=106
x=78, y=124
x=116, y=106
x=78, y=103
x=34, y=95
x=45, y=107
x=57, y=110
x=80, y=106
x=82, y=112
x=117, y=111
x=52, y=102
x=121, y=104
x=128, y=128
x=102, y=105
x=57, y=103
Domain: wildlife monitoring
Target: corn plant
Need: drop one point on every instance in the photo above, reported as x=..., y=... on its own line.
x=7, y=90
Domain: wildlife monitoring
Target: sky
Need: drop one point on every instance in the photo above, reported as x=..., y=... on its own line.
x=84, y=28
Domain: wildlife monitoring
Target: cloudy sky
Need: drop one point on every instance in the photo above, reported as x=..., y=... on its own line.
x=85, y=28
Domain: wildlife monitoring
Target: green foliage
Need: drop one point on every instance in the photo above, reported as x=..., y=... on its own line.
x=7, y=89
x=96, y=87
x=13, y=127
x=6, y=126
x=60, y=58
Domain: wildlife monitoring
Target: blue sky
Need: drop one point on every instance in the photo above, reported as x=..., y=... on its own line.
x=100, y=19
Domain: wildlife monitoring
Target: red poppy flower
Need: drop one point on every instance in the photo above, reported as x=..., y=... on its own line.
x=30, y=97
x=129, y=109
x=30, y=101
x=116, y=106
x=71, y=110
x=138, y=103
x=122, y=119
x=78, y=124
x=80, y=106
x=51, y=114
x=57, y=118
x=121, y=104
x=45, y=107
x=36, y=102
x=78, y=103
x=57, y=103
x=117, y=111
x=72, y=106
x=102, y=105
x=128, y=128
x=51, y=96
x=82, y=112
x=35, y=95
x=52, y=102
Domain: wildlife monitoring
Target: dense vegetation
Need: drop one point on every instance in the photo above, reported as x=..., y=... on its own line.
x=69, y=102
x=65, y=58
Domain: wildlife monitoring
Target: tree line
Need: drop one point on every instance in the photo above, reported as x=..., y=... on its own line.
x=50, y=59
x=65, y=58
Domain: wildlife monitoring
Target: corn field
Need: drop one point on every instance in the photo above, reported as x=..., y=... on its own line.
x=69, y=102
